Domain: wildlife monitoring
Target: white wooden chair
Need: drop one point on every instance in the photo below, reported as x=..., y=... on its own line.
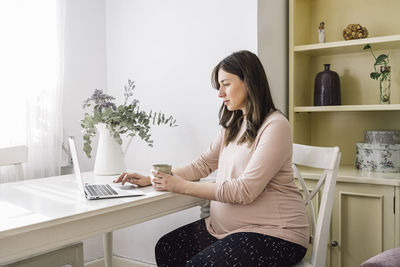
x=15, y=155
x=327, y=159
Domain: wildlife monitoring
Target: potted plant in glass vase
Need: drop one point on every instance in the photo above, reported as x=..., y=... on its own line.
x=382, y=74
x=112, y=122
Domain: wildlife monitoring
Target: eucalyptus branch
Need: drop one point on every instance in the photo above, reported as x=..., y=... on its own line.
x=126, y=119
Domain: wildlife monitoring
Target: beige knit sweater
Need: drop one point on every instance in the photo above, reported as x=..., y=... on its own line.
x=256, y=191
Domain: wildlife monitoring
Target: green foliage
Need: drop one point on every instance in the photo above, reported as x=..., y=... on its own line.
x=126, y=119
x=367, y=46
x=374, y=75
x=381, y=60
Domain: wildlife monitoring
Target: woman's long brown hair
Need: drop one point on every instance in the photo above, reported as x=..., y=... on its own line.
x=249, y=69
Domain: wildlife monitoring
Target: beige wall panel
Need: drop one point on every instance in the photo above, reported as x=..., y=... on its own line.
x=357, y=88
x=303, y=83
x=302, y=17
x=290, y=66
x=337, y=14
x=301, y=126
x=332, y=129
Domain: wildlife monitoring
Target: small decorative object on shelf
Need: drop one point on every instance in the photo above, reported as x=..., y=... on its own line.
x=102, y=115
x=327, y=88
x=380, y=152
x=382, y=74
x=355, y=31
x=321, y=32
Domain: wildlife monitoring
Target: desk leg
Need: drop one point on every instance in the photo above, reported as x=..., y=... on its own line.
x=108, y=249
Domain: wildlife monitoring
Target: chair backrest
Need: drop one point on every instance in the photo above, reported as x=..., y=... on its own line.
x=15, y=155
x=327, y=159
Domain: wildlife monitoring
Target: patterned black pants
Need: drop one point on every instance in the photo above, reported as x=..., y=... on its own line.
x=192, y=245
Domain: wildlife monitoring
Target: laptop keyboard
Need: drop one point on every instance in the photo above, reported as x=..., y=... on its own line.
x=101, y=190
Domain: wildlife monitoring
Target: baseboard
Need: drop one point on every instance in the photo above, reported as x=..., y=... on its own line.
x=119, y=262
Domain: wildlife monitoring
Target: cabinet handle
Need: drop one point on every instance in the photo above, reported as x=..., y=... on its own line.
x=334, y=243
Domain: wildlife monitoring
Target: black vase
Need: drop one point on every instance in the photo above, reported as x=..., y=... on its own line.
x=327, y=88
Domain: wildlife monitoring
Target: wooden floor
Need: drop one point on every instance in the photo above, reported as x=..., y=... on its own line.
x=119, y=262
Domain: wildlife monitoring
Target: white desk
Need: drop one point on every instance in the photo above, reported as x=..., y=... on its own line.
x=43, y=214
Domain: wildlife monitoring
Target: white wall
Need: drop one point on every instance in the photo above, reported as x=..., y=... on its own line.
x=170, y=49
x=85, y=64
x=85, y=70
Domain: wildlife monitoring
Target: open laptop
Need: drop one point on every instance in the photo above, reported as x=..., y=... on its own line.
x=99, y=191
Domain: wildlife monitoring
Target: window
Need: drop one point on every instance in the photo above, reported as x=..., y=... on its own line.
x=30, y=81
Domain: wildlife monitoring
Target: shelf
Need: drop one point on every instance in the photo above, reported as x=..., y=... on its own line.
x=349, y=173
x=351, y=46
x=383, y=107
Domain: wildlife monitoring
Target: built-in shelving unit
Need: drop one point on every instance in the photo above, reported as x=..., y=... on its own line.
x=344, y=125
x=391, y=107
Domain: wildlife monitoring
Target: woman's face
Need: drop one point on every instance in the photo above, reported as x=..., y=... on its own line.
x=232, y=90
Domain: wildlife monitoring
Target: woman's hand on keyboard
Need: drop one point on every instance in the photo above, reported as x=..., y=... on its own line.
x=133, y=178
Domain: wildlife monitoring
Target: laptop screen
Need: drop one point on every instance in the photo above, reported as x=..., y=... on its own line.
x=76, y=164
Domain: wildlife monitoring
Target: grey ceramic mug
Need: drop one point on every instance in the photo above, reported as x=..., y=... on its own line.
x=165, y=168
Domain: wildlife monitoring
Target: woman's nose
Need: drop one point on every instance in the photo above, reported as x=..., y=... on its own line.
x=221, y=92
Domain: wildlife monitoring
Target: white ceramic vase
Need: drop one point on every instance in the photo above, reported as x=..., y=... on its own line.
x=110, y=159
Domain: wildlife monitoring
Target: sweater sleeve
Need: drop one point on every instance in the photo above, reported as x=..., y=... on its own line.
x=272, y=152
x=205, y=164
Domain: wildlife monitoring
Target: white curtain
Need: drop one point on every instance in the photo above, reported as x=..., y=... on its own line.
x=31, y=75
